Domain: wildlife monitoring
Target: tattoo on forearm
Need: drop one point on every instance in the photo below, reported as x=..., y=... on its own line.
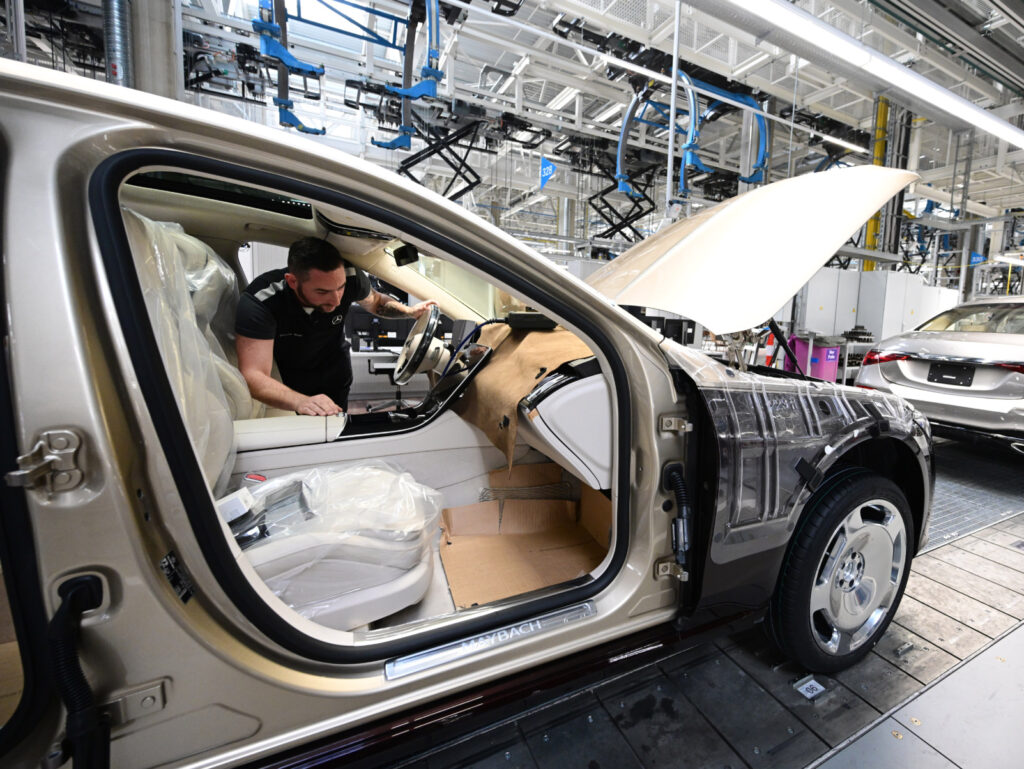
x=392, y=309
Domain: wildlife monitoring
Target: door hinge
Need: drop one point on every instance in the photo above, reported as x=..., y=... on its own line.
x=52, y=462
x=667, y=567
x=671, y=424
x=136, y=702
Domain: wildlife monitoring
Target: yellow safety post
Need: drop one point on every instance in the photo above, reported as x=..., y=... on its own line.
x=878, y=158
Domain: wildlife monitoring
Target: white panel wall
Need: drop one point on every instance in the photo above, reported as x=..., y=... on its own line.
x=831, y=301
x=821, y=294
x=267, y=257
x=913, y=303
x=847, y=301
x=937, y=300
x=893, y=302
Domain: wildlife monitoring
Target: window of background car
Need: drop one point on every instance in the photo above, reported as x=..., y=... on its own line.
x=980, y=318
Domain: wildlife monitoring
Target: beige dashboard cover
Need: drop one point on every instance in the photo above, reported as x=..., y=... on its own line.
x=519, y=361
x=733, y=266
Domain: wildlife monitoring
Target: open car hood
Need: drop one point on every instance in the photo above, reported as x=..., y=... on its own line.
x=732, y=266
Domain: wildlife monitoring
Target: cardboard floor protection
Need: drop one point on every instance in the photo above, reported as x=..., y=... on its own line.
x=485, y=568
x=498, y=549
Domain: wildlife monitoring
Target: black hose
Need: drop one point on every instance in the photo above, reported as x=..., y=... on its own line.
x=86, y=732
x=784, y=344
x=681, y=524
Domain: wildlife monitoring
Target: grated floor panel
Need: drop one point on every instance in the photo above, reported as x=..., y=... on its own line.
x=975, y=486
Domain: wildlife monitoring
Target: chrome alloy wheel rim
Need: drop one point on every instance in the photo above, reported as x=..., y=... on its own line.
x=858, y=577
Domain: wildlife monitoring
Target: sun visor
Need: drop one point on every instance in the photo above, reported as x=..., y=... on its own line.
x=732, y=266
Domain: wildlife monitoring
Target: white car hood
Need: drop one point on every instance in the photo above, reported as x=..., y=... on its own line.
x=732, y=266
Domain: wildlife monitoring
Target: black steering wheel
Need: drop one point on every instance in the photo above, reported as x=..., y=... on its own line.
x=417, y=344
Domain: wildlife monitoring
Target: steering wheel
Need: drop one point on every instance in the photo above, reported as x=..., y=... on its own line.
x=416, y=346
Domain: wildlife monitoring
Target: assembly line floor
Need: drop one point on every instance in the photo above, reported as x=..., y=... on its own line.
x=943, y=688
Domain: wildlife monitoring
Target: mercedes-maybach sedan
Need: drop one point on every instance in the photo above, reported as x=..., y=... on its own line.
x=199, y=581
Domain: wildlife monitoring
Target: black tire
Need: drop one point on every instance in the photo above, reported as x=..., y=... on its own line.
x=850, y=556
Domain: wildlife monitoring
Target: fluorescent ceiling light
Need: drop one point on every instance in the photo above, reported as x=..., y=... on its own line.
x=566, y=96
x=612, y=110
x=757, y=61
x=841, y=142
x=796, y=21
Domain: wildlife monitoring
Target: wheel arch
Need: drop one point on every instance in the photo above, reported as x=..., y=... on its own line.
x=893, y=459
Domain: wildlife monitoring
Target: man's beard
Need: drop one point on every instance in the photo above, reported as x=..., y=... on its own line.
x=303, y=299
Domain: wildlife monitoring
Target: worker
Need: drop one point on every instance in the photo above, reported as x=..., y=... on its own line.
x=295, y=317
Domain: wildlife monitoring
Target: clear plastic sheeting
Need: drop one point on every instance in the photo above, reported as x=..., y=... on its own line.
x=346, y=546
x=174, y=279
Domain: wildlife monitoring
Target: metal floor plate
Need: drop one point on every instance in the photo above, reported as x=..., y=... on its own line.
x=976, y=485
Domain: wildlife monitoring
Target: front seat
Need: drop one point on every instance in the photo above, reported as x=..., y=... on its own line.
x=195, y=373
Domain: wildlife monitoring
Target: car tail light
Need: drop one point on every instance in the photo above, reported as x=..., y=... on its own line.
x=1015, y=367
x=873, y=357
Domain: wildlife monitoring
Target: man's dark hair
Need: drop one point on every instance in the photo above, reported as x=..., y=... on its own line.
x=312, y=254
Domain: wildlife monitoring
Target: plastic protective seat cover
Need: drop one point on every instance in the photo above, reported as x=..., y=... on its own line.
x=196, y=373
x=345, y=547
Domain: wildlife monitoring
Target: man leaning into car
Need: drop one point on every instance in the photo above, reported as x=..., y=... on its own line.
x=295, y=316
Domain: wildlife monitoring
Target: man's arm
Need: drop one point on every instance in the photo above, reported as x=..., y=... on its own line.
x=384, y=306
x=255, y=361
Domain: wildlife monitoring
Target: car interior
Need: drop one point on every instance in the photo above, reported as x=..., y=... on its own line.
x=495, y=486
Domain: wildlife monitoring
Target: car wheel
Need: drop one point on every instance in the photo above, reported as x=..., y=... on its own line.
x=844, y=572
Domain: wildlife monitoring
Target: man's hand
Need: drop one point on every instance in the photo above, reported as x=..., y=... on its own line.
x=317, y=406
x=384, y=306
x=418, y=309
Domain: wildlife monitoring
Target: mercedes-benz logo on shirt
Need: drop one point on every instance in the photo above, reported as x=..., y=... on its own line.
x=337, y=319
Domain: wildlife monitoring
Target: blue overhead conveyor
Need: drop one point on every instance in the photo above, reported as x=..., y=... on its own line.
x=431, y=74
x=271, y=26
x=642, y=103
x=427, y=87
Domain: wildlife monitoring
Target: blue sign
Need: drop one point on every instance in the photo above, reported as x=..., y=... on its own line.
x=547, y=170
x=832, y=353
x=976, y=258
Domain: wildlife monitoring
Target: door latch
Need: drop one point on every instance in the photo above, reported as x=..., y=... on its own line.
x=674, y=424
x=668, y=567
x=52, y=462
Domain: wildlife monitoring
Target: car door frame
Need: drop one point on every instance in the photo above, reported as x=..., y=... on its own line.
x=155, y=386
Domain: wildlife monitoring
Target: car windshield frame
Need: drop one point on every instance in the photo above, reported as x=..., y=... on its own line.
x=1003, y=318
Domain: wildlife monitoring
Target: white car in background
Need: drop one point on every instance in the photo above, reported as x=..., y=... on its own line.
x=963, y=369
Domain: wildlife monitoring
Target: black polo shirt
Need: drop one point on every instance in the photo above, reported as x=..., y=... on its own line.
x=310, y=347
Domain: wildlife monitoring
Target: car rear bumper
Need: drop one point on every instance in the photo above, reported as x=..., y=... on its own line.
x=1000, y=416
x=984, y=414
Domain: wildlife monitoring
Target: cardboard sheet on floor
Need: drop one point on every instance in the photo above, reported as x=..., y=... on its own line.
x=498, y=549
